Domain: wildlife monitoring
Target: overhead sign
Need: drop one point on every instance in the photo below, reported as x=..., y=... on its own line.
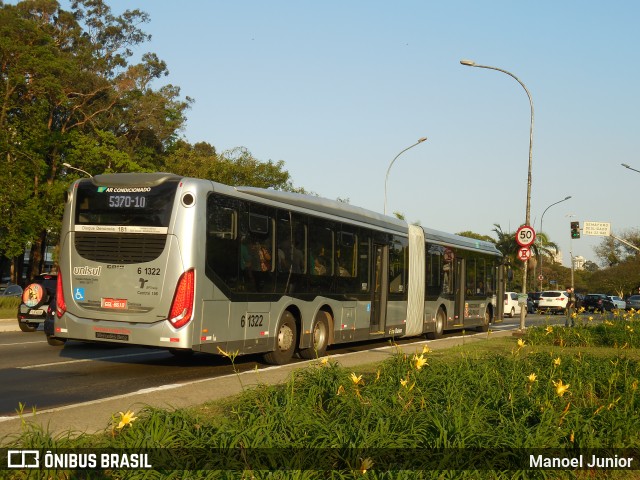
x=524, y=254
x=525, y=236
x=600, y=229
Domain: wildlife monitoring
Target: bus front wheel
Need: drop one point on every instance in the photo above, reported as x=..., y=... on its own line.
x=320, y=341
x=439, y=326
x=286, y=335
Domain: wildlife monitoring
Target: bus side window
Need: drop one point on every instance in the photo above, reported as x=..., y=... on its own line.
x=320, y=250
x=221, y=244
x=397, y=265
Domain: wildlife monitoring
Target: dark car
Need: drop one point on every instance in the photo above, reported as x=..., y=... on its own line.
x=533, y=301
x=35, y=301
x=633, y=302
x=10, y=290
x=597, y=302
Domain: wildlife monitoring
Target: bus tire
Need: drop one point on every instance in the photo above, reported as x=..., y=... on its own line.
x=320, y=337
x=439, y=326
x=55, y=342
x=28, y=327
x=286, y=335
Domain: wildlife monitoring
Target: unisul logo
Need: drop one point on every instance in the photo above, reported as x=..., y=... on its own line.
x=87, y=271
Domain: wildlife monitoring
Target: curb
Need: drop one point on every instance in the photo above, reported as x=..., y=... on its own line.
x=9, y=325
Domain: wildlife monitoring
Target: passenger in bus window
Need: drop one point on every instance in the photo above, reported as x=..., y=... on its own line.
x=263, y=256
x=342, y=271
x=319, y=265
x=480, y=289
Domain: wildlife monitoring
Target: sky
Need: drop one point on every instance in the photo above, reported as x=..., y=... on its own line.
x=338, y=89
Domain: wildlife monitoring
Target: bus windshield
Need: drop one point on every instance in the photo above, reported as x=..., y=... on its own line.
x=140, y=206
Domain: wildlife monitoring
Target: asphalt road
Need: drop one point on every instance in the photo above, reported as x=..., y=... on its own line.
x=56, y=379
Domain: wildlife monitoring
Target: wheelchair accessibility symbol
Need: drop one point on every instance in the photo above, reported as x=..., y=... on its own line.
x=78, y=294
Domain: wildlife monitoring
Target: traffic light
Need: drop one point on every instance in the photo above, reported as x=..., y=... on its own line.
x=575, y=229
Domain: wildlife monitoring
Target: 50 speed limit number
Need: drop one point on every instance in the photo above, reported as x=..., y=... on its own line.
x=525, y=236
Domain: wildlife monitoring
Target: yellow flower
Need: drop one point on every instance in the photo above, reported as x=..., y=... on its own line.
x=556, y=362
x=365, y=464
x=356, y=379
x=561, y=388
x=590, y=318
x=340, y=390
x=571, y=437
x=634, y=385
x=425, y=350
x=419, y=361
x=549, y=329
x=126, y=419
x=521, y=343
x=532, y=378
x=377, y=375
x=324, y=360
x=404, y=381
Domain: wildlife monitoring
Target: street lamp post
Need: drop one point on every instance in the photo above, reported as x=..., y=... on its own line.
x=420, y=140
x=541, y=218
x=471, y=63
x=78, y=169
x=630, y=168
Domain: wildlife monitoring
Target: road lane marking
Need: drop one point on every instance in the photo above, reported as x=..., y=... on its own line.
x=20, y=343
x=82, y=360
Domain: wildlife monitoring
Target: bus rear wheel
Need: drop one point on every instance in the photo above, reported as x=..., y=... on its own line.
x=320, y=340
x=286, y=336
x=439, y=326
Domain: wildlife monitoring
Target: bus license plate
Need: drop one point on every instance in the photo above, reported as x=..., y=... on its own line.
x=112, y=336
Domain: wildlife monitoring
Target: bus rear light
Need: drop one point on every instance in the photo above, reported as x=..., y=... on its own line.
x=61, y=306
x=182, y=304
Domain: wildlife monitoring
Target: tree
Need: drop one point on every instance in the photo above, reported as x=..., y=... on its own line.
x=477, y=236
x=67, y=93
x=233, y=167
x=613, y=252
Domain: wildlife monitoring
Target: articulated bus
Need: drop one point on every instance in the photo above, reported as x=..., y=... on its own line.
x=191, y=265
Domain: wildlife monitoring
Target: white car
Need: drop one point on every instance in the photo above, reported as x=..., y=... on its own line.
x=511, y=305
x=553, y=301
x=619, y=303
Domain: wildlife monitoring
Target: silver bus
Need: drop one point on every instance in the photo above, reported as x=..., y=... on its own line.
x=191, y=265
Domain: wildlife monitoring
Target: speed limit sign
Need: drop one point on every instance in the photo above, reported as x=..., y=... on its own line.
x=525, y=236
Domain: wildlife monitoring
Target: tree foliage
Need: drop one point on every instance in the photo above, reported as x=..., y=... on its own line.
x=69, y=93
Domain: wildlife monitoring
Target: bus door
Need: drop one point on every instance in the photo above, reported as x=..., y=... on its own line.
x=459, y=287
x=380, y=288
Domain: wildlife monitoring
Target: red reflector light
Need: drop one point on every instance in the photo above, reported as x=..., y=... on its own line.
x=61, y=306
x=182, y=304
